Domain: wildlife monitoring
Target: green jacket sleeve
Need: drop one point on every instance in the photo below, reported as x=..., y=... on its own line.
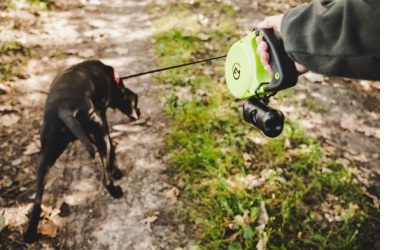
x=335, y=37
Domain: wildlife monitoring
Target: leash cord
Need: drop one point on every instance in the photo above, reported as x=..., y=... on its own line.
x=171, y=67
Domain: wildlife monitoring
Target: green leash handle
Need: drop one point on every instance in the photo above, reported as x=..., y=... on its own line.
x=284, y=71
x=244, y=73
x=248, y=80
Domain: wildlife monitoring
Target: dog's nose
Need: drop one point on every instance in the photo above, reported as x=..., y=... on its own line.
x=135, y=115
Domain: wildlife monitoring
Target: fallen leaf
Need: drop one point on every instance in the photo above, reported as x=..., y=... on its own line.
x=359, y=157
x=251, y=181
x=6, y=107
x=32, y=149
x=369, y=131
x=263, y=217
x=373, y=197
x=247, y=159
x=148, y=221
x=16, y=216
x=16, y=162
x=366, y=85
x=173, y=194
x=262, y=243
x=47, y=227
x=49, y=212
x=203, y=36
x=239, y=219
x=5, y=182
x=9, y=119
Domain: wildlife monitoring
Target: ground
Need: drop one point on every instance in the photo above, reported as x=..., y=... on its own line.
x=120, y=34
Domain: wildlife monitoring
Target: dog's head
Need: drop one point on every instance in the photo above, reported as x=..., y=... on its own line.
x=124, y=99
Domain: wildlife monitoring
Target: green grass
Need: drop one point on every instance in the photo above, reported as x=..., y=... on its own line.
x=12, y=56
x=31, y=5
x=239, y=188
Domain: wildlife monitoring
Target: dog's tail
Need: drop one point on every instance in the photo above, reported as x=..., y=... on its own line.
x=76, y=128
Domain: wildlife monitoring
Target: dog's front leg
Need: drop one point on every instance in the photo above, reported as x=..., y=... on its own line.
x=113, y=169
x=104, y=147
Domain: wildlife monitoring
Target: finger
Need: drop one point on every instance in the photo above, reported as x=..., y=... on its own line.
x=264, y=58
x=262, y=47
x=259, y=39
x=268, y=69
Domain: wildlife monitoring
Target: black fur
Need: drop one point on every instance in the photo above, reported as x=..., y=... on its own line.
x=76, y=109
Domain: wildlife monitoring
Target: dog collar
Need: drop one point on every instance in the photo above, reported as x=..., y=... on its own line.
x=116, y=77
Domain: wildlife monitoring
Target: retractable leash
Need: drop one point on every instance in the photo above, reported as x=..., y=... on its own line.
x=247, y=79
x=171, y=67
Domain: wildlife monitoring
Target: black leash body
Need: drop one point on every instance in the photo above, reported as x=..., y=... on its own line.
x=171, y=67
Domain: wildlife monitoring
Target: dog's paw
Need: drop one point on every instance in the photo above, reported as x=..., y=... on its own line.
x=31, y=236
x=115, y=191
x=117, y=174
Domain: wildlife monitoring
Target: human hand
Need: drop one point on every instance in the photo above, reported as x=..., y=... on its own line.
x=272, y=22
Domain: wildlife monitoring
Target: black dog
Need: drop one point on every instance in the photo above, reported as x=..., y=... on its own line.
x=76, y=109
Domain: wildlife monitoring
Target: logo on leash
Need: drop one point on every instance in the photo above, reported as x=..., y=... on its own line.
x=236, y=71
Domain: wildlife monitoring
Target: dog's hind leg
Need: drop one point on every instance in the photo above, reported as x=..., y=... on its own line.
x=72, y=123
x=51, y=150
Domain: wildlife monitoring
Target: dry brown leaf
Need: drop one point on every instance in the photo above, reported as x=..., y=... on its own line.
x=8, y=120
x=263, y=217
x=247, y=159
x=375, y=200
x=359, y=157
x=262, y=243
x=369, y=131
x=47, y=227
x=16, y=162
x=173, y=194
x=239, y=219
x=32, y=149
x=15, y=216
x=6, y=107
x=5, y=182
x=148, y=221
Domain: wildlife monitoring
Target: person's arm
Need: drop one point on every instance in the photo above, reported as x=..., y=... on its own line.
x=336, y=38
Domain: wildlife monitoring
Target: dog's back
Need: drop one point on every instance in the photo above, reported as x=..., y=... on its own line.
x=89, y=80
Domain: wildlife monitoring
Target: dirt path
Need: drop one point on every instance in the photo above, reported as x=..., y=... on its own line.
x=119, y=34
